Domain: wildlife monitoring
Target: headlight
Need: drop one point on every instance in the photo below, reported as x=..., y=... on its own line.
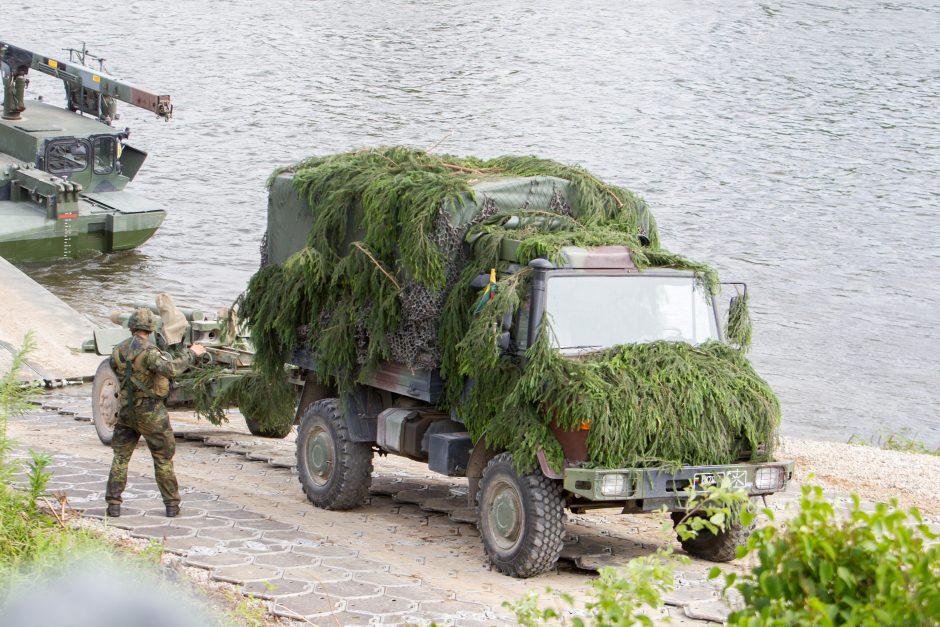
x=613, y=485
x=768, y=478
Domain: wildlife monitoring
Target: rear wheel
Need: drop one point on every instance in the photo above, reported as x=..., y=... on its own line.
x=335, y=471
x=105, y=401
x=715, y=547
x=520, y=517
x=280, y=431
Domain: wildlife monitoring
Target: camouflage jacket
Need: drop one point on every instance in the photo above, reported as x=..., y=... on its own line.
x=144, y=371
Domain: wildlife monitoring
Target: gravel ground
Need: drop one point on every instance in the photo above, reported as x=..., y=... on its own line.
x=873, y=473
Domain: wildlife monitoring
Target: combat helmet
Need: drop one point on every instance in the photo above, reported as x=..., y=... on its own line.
x=142, y=320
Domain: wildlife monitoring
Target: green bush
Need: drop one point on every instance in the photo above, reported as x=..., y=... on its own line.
x=713, y=509
x=14, y=397
x=829, y=568
x=618, y=597
x=822, y=567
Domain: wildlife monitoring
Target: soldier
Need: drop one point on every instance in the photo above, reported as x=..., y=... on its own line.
x=144, y=372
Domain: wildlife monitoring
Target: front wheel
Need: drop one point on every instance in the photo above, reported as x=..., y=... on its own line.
x=520, y=517
x=715, y=547
x=105, y=401
x=335, y=471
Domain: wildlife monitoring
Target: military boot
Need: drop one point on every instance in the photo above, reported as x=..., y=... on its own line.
x=114, y=510
x=172, y=511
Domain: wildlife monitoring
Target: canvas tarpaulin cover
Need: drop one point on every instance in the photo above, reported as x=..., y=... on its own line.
x=290, y=218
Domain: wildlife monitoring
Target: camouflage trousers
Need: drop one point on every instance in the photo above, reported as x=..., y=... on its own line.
x=148, y=419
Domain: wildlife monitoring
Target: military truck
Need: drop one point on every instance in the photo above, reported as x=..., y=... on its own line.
x=63, y=171
x=595, y=296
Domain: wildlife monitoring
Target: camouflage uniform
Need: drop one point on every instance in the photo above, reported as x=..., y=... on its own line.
x=148, y=380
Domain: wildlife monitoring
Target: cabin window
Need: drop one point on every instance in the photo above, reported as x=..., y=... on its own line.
x=67, y=155
x=104, y=155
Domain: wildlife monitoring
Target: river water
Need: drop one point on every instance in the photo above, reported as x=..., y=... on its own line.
x=793, y=145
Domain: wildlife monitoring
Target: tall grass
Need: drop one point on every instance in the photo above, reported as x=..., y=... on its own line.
x=904, y=441
x=14, y=397
x=30, y=540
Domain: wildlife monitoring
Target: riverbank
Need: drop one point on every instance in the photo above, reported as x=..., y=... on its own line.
x=873, y=473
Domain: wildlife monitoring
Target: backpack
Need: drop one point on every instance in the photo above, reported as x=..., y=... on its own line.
x=138, y=380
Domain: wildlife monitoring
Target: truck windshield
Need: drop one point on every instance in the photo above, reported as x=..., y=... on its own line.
x=595, y=311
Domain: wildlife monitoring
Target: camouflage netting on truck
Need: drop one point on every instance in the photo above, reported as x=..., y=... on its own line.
x=370, y=263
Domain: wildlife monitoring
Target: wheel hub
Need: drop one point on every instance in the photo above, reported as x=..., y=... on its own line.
x=506, y=515
x=320, y=456
x=108, y=402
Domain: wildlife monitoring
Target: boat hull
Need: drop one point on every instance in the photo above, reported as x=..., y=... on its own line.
x=27, y=235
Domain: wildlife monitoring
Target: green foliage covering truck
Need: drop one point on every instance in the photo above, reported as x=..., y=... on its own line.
x=514, y=321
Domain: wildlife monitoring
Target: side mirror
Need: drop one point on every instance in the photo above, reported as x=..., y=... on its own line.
x=738, y=324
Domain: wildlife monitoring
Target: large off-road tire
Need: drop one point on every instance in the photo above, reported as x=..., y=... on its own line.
x=105, y=401
x=720, y=547
x=521, y=518
x=335, y=471
x=280, y=432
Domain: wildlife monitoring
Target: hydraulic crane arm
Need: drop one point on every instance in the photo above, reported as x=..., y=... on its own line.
x=83, y=84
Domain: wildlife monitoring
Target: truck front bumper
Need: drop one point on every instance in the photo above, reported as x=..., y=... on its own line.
x=664, y=486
